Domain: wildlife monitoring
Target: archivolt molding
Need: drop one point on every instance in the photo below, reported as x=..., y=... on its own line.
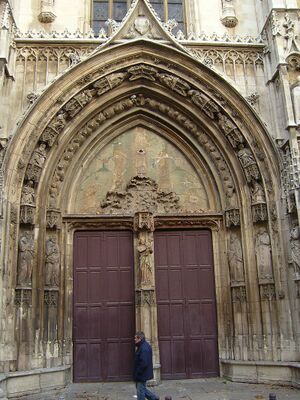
x=153, y=70
x=122, y=107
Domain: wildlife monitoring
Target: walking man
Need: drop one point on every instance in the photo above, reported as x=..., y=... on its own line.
x=143, y=367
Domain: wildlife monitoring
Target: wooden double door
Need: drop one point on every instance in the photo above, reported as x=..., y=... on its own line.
x=104, y=309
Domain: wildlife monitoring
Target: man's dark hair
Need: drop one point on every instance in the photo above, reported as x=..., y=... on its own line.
x=140, y=334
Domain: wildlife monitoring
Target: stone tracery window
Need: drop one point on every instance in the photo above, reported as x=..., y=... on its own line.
x=116, y=10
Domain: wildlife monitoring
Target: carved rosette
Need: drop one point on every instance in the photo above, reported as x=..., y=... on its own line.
x=23, y=298
x=53, y=219
x=267, y=292
x=27, y=214
x=145, y=297
x=232, y=217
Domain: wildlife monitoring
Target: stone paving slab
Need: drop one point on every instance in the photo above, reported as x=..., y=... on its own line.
x=196, y=389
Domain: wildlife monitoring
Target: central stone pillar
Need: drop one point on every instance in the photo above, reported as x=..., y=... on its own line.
x=145, y=293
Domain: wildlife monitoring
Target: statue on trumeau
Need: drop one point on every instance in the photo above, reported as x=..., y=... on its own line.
x=145, y=249
x=25, y=260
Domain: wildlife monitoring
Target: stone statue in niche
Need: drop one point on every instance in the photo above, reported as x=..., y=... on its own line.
x=145, y=249
x=235, y=260
x=231, y=198
x=295, y=249
x=257, y=193
x=263, y=256
x=52, y=262
x=25, y=260
x=28, y=194
x=296, y=101
x=39, y=155
x=245, y=156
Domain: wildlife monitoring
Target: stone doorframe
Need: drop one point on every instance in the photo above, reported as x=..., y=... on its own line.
x=143, y=224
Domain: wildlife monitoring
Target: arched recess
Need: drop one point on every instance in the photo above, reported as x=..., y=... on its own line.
x=143, y=85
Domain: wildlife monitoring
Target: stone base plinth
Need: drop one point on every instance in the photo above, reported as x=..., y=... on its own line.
x=282, y=373
x=16, y=384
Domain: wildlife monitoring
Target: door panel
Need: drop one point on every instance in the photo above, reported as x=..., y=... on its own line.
x=103, y=300
x=187, y=325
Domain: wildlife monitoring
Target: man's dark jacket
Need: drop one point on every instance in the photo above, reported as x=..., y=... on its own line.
x=143, y=367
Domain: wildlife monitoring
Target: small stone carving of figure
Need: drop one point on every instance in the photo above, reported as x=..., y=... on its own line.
x=245, y=156
x=145, y=250
x=235, y=260
x=59, y=122
x=226, y=125
x=26, y=254
x=39, y=155
x=28, y=194
x=52, y=262
x=263, y=256
x=174, y=83
x=296, y=101
x=257, y=193
x=231, y=198
x=295, y=249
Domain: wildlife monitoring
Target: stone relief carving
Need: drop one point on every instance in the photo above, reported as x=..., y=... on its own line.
x=27, y=214
x=142, y=193
x=23, y=298
x=267, y=292
x=248, y=162
x=53, y=219
x=142, y=71
x=28, y=194
x=25, y=260
x=230, y=130
x=109, y=82
x=145, y=297
x=174, y=83
x=239, y=294
x=235, y=260
x=144, y=221
x=204, y=103
x=295, y=250
x=52, y=262
x=51, y=298
x=263, y=257
x=289, y=34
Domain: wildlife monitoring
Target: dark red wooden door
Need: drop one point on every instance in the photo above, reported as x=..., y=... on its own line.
x=103, y=301
x=187, y=326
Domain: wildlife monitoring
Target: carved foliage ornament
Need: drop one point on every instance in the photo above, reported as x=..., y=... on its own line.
x=141, y=194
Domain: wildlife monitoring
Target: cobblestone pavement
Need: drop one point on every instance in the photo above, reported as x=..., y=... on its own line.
x=196, y=389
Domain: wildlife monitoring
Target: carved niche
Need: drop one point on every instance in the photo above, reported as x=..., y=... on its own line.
x=142, y=193
x=258, y=203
